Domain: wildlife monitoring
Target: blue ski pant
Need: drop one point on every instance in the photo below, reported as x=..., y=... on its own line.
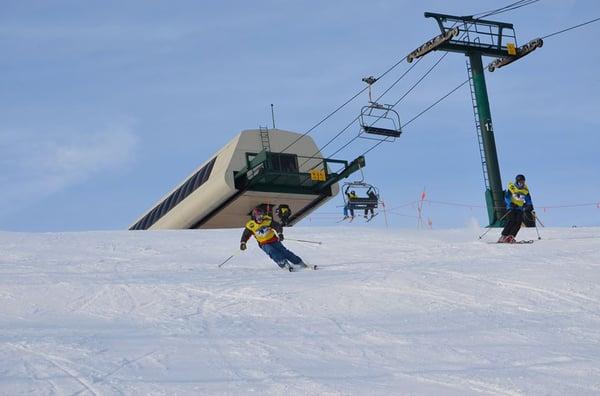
x=348, y=208
x=280, y=254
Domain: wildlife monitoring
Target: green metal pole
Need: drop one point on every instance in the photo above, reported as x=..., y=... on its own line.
x=495, y=194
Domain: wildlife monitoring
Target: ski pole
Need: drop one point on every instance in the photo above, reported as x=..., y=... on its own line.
x=490, y=228
x=540, y=221
x=304, y=240
x=536, y=227
x=538, y=232
x=228, y=258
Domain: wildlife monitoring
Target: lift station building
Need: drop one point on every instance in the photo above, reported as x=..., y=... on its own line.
x=269, y=167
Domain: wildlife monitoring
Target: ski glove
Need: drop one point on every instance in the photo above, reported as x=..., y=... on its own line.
x=242, y=245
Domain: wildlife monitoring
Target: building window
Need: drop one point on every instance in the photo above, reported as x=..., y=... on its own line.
x=190, y=185
x=286, y=163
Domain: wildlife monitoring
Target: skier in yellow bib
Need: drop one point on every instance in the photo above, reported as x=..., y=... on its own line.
x=269, y=234
x=518, y=201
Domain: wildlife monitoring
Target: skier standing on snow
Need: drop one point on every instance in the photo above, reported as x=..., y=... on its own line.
x=518, y=201
x=269, y=234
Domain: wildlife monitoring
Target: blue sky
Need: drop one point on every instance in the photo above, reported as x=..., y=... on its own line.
x=106, y=106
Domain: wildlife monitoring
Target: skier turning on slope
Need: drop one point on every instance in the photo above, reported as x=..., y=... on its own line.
x=518, y=201
x=269, y=234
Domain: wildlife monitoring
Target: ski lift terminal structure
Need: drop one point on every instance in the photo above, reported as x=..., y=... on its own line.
x=249, y=171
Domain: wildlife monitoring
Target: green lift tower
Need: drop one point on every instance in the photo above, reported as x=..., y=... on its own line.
x=477, y=38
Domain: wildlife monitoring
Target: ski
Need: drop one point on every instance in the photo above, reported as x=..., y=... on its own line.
x=523, y=242
x=293, y=268
x=371, y=218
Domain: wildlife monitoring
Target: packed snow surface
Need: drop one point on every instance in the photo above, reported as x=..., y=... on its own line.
x=387, y=313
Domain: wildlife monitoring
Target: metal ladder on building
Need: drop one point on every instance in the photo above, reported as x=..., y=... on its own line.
x=478, y=127
x=264, y=138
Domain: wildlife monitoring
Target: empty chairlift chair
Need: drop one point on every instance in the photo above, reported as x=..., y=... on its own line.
x=379, y=119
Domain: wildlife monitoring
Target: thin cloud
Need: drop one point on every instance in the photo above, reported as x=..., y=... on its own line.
x=34, y=165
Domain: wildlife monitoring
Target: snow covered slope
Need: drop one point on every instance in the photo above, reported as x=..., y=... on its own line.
x=388, y=313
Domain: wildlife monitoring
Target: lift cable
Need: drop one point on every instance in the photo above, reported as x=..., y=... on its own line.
x=571, y=28
x=516, y=4
x=395, y=104
x=466, y=81
x=420, y=79
x=512, y=6
x=423, y=112
x=398, y=101
x=358, y=116
x=435, y=103
x=509, y=7
x=341, y=106
x=376, y=100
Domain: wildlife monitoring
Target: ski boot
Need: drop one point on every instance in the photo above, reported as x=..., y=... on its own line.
x=285, y=265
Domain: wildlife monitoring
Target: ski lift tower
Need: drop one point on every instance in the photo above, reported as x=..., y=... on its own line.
x=477, y=38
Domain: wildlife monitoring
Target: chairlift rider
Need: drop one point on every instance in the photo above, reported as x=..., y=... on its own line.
x=349, y=206
x=372, y=204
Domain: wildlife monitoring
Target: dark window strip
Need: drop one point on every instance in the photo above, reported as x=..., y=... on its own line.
x=187, y=190
x=179, y=195
x=195, y=181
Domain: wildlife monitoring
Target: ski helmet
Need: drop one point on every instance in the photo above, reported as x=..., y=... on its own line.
x=257, y=213
x=520, y=178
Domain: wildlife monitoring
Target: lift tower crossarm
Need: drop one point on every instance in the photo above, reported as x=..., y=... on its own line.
x=481, y=35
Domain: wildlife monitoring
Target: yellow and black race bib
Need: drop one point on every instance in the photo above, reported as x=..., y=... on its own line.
x=262, y=231
x=518, y=194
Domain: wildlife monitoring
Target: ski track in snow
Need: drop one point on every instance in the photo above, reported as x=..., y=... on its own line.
x=388, y=312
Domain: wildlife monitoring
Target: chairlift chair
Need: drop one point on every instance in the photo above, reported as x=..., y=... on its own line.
x=363, y=201
x=384, y=115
